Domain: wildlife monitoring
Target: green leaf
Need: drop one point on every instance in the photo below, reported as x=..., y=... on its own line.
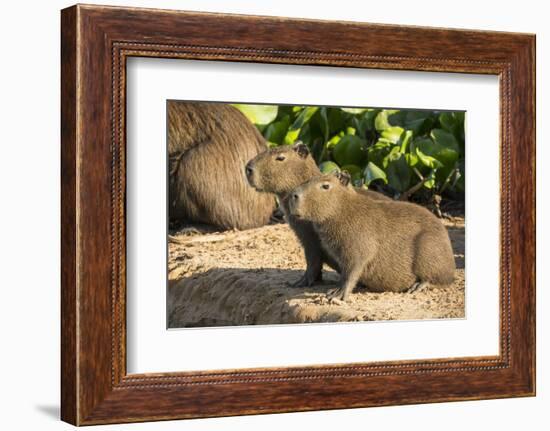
x=365, y=122
x=382, y=120
x=447, y=121
x=459, y=116
x=405, y=140
x=337, y=120
x=431, y=180
x=453, y=122
x=324, y=124
x=385, y=142
x=294, y=130
x=333, y=141
x=328, y=167
x=444, y=151
x=305, y=135
x=304, y=117
x=399, y=174
x=291, y=136
x=317, y=148
x=373, y=173
x=443, y=147
x=445, y=139
x=426, y=145
x=285, y=110
x=276, y=131
x=417, y=121
x=447, y=151
x=378, y=151
x=412, y=159
x=394, y=154
x=258, y=114
x=392, y=134
x=429, y=161
x=354, y=111
x=350, y=150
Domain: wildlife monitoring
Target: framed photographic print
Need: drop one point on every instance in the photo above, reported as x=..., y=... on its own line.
x=265, y=215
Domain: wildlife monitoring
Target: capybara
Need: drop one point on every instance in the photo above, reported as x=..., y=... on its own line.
x=388, y=246
x=208, y=145
x=280, y=170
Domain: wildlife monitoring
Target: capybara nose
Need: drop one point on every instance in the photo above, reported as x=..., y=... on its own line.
x=295, y=196
x=248, y=169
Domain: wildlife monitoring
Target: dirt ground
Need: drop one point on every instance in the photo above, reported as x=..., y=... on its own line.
x=244, y=277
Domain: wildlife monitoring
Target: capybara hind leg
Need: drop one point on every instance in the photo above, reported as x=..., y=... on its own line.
x=434, y=260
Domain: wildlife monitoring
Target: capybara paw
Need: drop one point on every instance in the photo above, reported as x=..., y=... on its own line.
x=417, y=287
x=303, y=281
x=337, y=295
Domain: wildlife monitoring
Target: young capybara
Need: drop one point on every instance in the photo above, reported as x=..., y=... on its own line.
x=208, y=144
x=280, y=170
x=388, y=246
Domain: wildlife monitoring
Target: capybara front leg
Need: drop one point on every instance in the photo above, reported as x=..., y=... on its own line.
x=313, y=272
x=347, y=284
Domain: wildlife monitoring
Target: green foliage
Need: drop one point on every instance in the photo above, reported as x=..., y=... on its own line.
x=402, y=151
x=349, y=150
x=328, y=167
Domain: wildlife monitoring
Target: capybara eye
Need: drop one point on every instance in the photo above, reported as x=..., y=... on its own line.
x=280, y=158
x=326, y=186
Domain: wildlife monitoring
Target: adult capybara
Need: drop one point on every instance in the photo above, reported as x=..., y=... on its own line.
x=388, y=246
x=208, y=145
x=280, y=170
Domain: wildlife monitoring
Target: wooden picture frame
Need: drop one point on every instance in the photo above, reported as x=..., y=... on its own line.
x=95, y=43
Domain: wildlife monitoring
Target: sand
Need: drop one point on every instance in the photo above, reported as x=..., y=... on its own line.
x=244, y=277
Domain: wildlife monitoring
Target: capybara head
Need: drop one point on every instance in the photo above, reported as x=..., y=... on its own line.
x=281, y=169
x=319, y=198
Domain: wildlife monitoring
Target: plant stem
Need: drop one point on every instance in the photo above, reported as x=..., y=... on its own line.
x=405, y=196
x=447, y=180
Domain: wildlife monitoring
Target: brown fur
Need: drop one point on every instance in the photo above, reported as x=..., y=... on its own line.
x=386, y=245
x=266, y=173
x=208, y=145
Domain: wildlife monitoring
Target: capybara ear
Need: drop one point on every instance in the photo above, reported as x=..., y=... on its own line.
x=335, y=173
x=344, y=177
x=301, y=149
